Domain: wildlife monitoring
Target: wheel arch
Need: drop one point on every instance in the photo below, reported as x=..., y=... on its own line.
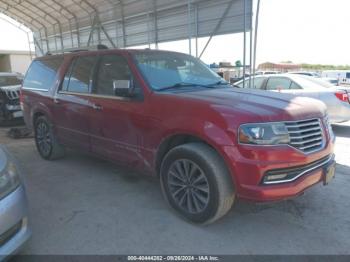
x=181, y=138
x=40, y=110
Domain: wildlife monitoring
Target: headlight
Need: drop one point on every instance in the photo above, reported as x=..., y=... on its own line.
x=9, y=180
x=264, y=134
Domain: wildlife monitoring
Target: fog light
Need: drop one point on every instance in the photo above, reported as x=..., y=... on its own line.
x=275, y=177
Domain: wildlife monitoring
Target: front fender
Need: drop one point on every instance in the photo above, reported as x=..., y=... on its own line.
x=207, y=131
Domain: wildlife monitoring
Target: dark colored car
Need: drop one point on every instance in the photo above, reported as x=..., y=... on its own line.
x=168, y=115
x=10, y=84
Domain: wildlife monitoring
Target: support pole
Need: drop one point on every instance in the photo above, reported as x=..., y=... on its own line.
x=189, y=27
x=256, y=34
x=196, y=25
x=155, y=23
x=244, y=41
x=217, y=26
x=29, y=45
x=148, y=31
x=108, y=36
x=250, y=53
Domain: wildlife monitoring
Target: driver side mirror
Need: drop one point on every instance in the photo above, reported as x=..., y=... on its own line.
x=123, y=88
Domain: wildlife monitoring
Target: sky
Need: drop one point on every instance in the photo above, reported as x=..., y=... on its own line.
x=301, y=31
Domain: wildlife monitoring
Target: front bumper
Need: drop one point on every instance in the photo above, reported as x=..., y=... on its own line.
x=250, y=164
x=11, y=112
x=14, y=228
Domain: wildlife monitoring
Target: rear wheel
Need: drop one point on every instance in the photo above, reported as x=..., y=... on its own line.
x=45, y=140
x=196, y=183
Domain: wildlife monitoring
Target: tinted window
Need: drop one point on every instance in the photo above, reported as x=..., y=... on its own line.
x=348, y=75
x=111, y=68
x=257, y=83
x=79, y=75
x=278, y=83
x=295, y=86
x=42, y=73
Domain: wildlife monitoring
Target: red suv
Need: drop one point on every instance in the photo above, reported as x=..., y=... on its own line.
x=168, y=115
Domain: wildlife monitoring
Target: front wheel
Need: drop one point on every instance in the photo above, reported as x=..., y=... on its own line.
x=45, y=140
x=196, y=183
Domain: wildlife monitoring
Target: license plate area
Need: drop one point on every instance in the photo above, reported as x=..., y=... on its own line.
x=17, y=114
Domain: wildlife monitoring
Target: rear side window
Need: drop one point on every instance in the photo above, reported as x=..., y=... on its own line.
x=257, y=83
x=41, y=74
x=278, y=83
x=78, y=79
x=112, y=68
x=295, y=86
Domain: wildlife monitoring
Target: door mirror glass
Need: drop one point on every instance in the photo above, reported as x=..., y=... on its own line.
x=123, y=88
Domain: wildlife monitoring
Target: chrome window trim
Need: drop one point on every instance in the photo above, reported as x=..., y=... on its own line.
x=95, y=95
x=34, y=89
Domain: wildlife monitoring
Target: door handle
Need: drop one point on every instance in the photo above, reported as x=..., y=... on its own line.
x=96, y=107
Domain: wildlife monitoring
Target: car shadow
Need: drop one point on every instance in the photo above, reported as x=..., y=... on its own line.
x=341, y=130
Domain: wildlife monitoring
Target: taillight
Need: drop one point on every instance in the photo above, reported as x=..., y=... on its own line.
x=343, y=96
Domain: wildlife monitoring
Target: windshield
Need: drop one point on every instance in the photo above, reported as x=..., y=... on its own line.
x=9, y=81
x=164, y=70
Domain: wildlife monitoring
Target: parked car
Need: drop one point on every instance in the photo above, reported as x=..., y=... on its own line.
x=267, y=72
x=306, y=73
x=343, y=76
x=10, y=84
x=14, y=229
x=169, y=115
x=332, y=81
x=337, y=100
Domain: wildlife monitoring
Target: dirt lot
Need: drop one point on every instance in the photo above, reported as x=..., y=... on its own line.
x=82, y=205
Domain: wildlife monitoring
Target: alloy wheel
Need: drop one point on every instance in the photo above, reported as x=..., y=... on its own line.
x=188, y=186
x=43, y=138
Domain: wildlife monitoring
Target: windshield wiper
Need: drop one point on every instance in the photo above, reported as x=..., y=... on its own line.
x=218, y=84
x=185, y=84
x=179, y=85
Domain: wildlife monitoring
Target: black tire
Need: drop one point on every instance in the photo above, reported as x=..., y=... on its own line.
x=208, y=183
x=45, y=140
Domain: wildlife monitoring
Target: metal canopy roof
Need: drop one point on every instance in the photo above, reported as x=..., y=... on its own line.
x=62, y=24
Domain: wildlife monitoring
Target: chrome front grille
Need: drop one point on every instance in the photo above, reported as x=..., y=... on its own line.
x=306, y=135
x=12, y=94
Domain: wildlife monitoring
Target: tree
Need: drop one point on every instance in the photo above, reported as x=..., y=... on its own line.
x=238, y=63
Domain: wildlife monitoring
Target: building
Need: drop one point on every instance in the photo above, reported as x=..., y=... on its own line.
x=279, y=67
x=15, y=61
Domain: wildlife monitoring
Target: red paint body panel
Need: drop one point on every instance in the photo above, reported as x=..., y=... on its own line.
x=131, y=132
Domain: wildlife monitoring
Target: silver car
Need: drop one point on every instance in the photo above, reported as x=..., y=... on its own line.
x=14, y=229
x=336, y=99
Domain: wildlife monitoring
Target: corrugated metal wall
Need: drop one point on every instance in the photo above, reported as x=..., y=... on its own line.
x=64, y=24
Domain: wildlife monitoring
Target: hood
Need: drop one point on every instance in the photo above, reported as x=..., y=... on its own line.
x=268, y=106
x=10, y=88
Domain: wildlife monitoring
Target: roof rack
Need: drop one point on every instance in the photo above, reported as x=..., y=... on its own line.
x=80, y=49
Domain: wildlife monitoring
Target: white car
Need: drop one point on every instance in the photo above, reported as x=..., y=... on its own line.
x=336, y=99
